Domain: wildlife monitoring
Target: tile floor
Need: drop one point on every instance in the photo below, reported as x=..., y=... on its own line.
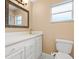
x=47, y=56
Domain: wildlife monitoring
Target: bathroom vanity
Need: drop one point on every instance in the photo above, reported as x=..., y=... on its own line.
x=22, y=45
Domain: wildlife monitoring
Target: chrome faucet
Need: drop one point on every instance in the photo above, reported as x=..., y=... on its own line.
x=30, y=31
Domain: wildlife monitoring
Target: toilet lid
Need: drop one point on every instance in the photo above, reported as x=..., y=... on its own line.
x=62, y=56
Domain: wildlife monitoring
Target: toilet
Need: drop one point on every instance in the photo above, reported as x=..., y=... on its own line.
x=64, y=48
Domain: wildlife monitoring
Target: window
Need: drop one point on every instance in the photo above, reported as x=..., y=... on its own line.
x=62, y=12
x=18, y=20
x=11, y=20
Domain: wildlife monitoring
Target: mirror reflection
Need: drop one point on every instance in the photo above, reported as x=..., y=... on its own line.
x=17, y=16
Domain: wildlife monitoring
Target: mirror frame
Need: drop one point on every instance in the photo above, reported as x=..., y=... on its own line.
x=7, y=2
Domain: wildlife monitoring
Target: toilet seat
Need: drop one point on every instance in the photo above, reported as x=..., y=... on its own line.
x=62, y=56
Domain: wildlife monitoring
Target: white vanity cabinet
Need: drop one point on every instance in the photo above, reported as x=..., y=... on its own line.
x=30, y=48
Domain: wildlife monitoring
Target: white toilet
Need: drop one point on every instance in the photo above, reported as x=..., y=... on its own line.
x=64, y=48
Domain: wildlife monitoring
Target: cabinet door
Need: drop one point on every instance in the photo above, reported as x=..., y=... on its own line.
x=38, y=47
x=16, y=55
x=30, y=49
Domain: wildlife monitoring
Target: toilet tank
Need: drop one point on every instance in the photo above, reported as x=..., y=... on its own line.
x=64, y=46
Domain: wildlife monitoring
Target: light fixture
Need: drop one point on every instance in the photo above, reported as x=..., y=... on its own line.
x=23, y=2
x=33, y=1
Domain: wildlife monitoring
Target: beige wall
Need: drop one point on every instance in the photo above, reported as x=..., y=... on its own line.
x=41, y=13
x=28, y=7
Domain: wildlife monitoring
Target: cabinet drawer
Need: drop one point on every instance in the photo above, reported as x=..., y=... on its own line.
x=13, y=48
x=16, y=55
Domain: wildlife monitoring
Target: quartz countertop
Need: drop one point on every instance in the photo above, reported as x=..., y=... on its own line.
x=14, y=37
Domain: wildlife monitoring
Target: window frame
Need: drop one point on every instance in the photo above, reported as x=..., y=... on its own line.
x=68, y=20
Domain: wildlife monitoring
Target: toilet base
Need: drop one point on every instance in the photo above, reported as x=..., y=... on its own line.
x=60, y=55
